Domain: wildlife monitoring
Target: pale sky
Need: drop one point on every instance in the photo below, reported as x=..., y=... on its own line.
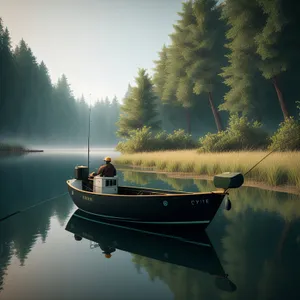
x=98, y=44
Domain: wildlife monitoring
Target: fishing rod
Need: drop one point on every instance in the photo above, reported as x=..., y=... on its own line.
x=89, y=135
x=31, y=206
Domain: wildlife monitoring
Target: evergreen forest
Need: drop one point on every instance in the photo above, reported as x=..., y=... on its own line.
x=228, y=65
x=34, y=110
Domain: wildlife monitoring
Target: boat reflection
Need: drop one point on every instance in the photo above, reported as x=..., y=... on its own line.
x=191, y=249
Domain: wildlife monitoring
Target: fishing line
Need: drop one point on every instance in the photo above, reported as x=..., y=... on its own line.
x=89, y=133
x=259, y=162
x=31, y=206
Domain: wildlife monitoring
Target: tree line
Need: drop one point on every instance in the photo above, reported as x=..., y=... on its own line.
x=34, y=109
x=235, y=58
x=224, y=59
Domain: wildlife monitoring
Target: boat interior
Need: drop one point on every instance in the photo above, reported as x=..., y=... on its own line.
x=120, y=190
x=125, y=190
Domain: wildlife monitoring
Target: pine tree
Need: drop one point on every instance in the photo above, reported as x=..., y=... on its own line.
x=128, y=91
x=178, y=84
x=160, y=72
x=273, y=61
x=244, y=19
x=139, y=108
x=27, y=68
x=115, y=107
x=83, y=118
x=9, y=112
x=44, y=104
x=66, y=113
x=203, y=53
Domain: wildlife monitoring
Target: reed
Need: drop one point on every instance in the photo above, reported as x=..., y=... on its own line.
x=280, y=168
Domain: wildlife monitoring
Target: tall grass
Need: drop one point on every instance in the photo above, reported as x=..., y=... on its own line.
x=280, y=168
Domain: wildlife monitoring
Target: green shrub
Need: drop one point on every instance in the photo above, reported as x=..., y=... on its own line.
x=287, y=137
x=240, y=135
x=143, y=140
x=139, y=140
x=180, y=140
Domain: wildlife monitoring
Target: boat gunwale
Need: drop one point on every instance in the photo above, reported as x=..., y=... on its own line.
x=183, y=194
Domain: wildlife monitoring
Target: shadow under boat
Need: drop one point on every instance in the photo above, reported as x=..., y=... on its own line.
x=179, y=246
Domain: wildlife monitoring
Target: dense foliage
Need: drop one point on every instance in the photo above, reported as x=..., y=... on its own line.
x=240, y=134
x=287, y=137
x=243, y=52
x=238, y=59
x=34, y=110
x=143, y=140
x=260, y=70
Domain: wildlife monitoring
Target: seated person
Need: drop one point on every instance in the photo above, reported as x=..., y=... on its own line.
x=107, y=170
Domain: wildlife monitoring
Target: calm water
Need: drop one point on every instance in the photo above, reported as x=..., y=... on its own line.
x=257, y=243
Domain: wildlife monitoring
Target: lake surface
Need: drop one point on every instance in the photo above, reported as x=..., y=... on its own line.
x=257, y=242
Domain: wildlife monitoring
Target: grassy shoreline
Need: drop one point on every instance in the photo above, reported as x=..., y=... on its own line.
x=248, y=183
x=280, y=169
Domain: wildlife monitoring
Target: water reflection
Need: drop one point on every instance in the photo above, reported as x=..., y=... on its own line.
x=284, y=204
x=25, y=183
x=259, y=238
x=168, y=254
x=19, y=234
x=257, y=242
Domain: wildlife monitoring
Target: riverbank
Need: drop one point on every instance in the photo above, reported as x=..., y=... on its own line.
x=6, y=148
x=280, y=169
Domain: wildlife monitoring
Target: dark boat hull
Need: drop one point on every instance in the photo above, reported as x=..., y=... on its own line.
x=189, y=249
x=157, y=209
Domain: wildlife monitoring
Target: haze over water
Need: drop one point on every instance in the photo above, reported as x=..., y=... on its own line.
x=257, y=243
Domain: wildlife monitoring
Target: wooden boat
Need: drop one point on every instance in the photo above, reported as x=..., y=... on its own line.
x=103, y=197
x=191, y=249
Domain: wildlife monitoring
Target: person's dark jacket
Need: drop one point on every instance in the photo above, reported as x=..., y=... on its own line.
x=107, y=170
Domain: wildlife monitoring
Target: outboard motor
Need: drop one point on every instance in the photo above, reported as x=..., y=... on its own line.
x=82, y=173
x=228, y=180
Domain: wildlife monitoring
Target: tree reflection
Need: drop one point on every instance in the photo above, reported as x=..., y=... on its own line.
x=179, y=184
x=260, y=246
x=138, y=178
x=147, y=179
x=184, y=283
x=5, y=256
x=260, y=243
x=20, y=233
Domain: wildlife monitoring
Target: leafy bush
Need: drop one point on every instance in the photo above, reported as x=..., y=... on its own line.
x=240, y=135
x=177, y=140
x=138, y=140
x=287, y=137
x=143, y=140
